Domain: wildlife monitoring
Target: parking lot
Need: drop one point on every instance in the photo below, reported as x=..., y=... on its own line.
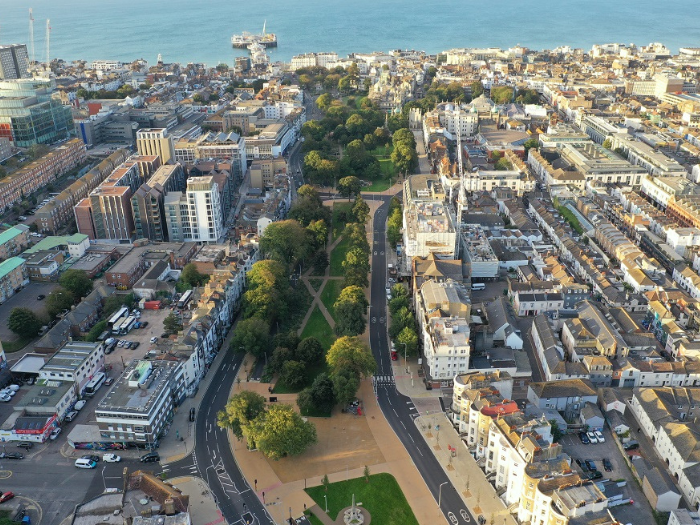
x=26, y=298
x=634, y=513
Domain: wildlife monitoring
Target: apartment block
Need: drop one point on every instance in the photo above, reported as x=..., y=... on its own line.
x=14, y=241
x=14, y=62
x=148, y=202
x=156, y=141
x=195, y=215
x=13, y=276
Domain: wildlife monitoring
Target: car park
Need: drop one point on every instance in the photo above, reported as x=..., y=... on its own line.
x=55, y=433
x=150, y=457
x=80, y=404
x=599, y=436
x=584, y=438
x=592, y=437
x=607, y=465
x=111, y=458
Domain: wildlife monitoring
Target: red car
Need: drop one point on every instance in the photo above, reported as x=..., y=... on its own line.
x=394, y=356
x=7, y=496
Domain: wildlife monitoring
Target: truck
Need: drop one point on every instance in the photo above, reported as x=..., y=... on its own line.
x=152, y=305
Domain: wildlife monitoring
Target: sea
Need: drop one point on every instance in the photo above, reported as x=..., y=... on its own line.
x=200, y=31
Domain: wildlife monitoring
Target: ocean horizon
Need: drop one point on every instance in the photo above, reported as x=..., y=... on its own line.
x=185, y=31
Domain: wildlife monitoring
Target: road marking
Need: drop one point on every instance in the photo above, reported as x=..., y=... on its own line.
x=395, y=412
x=404, y=426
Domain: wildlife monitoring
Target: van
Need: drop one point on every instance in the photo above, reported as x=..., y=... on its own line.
x=70, y=416
x=478, y=286
x=85, y=463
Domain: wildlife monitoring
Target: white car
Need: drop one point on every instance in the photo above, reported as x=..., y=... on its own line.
x=154, y=339
x=592, y=437
x=54, y=433
x=8, y=392
x=80, y=404
x=5, y=398
x=599, y=435
x=111, y=458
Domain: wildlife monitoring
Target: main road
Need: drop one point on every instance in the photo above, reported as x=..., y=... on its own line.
x=397, y=408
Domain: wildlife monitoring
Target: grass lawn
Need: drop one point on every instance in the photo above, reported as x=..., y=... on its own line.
x=318, y=327
x=341, y=210
x=382, y=151
x=14, y=346
x=338, y=256
x=315, y=283
x=302, y=302
x=330, y=294
x=312, y=518
x=382, y=497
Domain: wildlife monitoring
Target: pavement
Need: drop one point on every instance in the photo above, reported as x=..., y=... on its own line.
x=203, y=509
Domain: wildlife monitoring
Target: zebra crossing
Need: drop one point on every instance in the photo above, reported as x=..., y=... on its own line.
x=383, y=380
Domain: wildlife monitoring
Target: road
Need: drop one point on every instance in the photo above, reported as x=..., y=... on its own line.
x=397, y=408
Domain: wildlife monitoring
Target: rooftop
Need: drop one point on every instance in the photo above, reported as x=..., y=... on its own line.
x=139, y=387
x=70, y=357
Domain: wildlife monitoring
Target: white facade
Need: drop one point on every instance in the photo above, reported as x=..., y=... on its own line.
x=206, y=216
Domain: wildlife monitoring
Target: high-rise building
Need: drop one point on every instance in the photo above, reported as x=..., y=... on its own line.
x=30, y=114
x=156, y=141
x=147, y=202
x=195, y=215
x=14, y=62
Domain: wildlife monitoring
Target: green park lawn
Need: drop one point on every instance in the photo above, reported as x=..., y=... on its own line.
x=315, y=283
x=17, y=344
x=338, y=256
x=341, y=210
x=382, y=497
x=330, y=294
x=312, y=518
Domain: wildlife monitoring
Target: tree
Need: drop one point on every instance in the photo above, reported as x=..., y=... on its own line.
x=556, y=431
x=114, y=302
x=191, y=276
x=503, y=165
x=345, y=385
x=403, y=136
x=401, y=319
x=58, y=301
x=287, y=242
x=408, y=337
x=320, y=262
x=309, y=351
x=325, y=482
x=281, y=432
x=404, y=158
x=502, y=94
x=530, y=144
x=360, y=210
x=24, y=322
x=77, y=282
x=477, y=89
x=319, y=398
x=222, y=67
x=240, y=410
x=198, y=98
x=607, y=144
x=253, y=336
x=350, y=353
x=393, y=227
x=365, y=473
x=293, y=373
x=323, y=102
x=350, y=308
x=172, y=324
x=268, y=289
x=36, y=151
x=349, y=186
x=96, y=331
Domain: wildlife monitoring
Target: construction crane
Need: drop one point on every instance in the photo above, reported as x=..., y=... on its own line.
x=31, y=36
x=48, y=42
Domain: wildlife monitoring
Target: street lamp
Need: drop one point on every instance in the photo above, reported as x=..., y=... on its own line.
x=405, y=358
x=440, y=494
x=325, y=498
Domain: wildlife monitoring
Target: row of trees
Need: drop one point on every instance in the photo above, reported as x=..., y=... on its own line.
x=394, y=222
x=404, y=155
x=277, y=431
x=74, y=285
x=344, y=80
x=402, y=329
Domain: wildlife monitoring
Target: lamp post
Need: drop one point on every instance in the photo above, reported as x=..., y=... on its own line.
x=405, y=356
x=325, y=498
x=440, y=496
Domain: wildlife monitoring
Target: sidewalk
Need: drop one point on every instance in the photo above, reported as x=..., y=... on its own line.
x=203, y=509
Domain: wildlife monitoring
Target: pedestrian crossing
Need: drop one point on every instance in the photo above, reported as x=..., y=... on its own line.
x=383, y=380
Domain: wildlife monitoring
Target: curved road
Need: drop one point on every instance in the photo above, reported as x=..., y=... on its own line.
x=397, y=408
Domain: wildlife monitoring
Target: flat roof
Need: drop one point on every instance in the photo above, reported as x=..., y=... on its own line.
x=139, y=387
x=29, y=364
x=70, y=357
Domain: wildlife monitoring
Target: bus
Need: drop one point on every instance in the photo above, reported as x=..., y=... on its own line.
x=184, y=299
x=95, y=383
x=127, y=325
x=122, y=312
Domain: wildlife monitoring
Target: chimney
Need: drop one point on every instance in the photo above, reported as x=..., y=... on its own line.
x=169, y=506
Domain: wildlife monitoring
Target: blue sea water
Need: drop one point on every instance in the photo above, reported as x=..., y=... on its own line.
x=200, y=31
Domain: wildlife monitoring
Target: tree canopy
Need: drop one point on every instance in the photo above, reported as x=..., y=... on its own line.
x=350, y=308
x=77, y=282
x=241, y=409
x=281, y=432
x=286, y=242
x=191, y=276
x=350, y=353
x=24, y=322
x=251, y=335
x=59, y=300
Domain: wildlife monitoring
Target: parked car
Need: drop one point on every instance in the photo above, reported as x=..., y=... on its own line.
x=6, y=496
x=79, y=405
x=150, y=457
x=144, y=324
x=109, y=381
x=91, y=457
x=607, y=465
x=592, y=437
x=8, y=392
x=111, y=458
x=584, y=438
x=70, y=416
x=135, y=345
x=55, y=433
x=154, y=339
x=631, y=445
x=121, y=343
x=599, y=435
x=5, y=398
x=595, y=474
x=40, y=297
x=590, y=464
x=25, y=445
x=12, y=455
x=192, y=414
